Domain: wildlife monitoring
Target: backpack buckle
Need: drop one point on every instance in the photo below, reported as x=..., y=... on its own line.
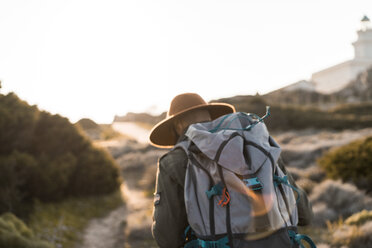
x=215, y=190
x=253, y=183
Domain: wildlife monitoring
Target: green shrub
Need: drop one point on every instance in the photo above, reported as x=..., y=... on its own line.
x=45, y=157
x=351, y=162
x=15, y=174
x=97, y=173
x=17, y=123
x=15, y=234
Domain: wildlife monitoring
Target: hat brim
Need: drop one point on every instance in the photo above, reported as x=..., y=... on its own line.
x=163, y=134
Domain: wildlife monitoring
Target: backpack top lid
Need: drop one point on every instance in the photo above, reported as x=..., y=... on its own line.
x=242, y=154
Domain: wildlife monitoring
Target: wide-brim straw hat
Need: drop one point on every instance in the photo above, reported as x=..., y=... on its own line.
x=163, y=134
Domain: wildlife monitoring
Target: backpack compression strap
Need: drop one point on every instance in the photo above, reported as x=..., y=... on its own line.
x=296, y=238
x=196, y=243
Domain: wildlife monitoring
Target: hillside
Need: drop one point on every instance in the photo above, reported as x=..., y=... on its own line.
x=351, y=107
x=96, y=131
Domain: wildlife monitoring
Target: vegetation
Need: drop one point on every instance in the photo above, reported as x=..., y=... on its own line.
x=351, y=162
x=296, y=117
x=43, y=156
x=15, y=234
x=61, y=224
x=359, y=218
x=354, y=235
x=333, y=199
x=363, y=109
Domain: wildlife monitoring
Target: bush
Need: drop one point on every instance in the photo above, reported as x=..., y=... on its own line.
x=359, y=218
x=97, y=173
x=17, y=123
x=351, y=162
x=15, y=234
x=15, y=170
x=350, y=235
x=332, y=199
x=44, y=156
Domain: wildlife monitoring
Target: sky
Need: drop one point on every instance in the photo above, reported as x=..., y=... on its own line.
x=97, y=59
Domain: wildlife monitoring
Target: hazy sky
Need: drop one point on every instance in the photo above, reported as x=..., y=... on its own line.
x=95, y=59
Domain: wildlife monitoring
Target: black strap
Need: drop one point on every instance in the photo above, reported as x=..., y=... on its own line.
x=228, y=218
x=220, y=172
x=211, y=201
x=223, y=144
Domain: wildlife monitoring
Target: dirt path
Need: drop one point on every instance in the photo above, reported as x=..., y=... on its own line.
x=126, y=226
x=129, y=225
x=106, y=232
x=132, y=130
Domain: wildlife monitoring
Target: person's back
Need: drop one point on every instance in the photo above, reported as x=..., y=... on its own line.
x=170, y=218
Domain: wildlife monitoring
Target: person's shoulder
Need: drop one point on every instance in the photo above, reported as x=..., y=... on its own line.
x=174, y=158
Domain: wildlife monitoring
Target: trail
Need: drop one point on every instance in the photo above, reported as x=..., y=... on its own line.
x=106, y=232
x=133, y=130
x=137, y=231
x=130, y=224
x=125, y=226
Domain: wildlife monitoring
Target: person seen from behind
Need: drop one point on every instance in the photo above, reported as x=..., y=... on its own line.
x=223, y=183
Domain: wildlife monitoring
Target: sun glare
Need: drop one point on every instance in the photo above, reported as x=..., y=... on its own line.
x=100, y=59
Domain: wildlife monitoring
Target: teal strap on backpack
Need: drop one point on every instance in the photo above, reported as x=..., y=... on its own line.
x=297, y=238
x=215, y=190
x=213, y=130
x=244, y=115
x=221, y=243
x=284, y=180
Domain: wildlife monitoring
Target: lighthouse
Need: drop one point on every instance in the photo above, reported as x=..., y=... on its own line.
x=338, y=76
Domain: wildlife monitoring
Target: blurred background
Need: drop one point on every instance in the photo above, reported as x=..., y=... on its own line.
x=83, y=82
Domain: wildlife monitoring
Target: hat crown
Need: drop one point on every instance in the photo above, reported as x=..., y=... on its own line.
x=183, y=102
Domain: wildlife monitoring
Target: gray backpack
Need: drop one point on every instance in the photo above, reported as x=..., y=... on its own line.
x=236, y=195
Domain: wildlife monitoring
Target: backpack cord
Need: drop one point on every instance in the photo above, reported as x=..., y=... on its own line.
x=242, y=115
x=228, y=218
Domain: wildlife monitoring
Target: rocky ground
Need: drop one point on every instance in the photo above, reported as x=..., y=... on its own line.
x=129, y=225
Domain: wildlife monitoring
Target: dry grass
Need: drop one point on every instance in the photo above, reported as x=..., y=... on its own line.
x=332, y=199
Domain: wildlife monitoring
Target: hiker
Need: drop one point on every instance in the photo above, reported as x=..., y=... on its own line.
x=170, y=218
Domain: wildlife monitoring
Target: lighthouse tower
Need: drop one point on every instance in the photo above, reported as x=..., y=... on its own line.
x=363, y=46
x=337, y=77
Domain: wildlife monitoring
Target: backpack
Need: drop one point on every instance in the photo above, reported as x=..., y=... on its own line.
x=235, y=193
